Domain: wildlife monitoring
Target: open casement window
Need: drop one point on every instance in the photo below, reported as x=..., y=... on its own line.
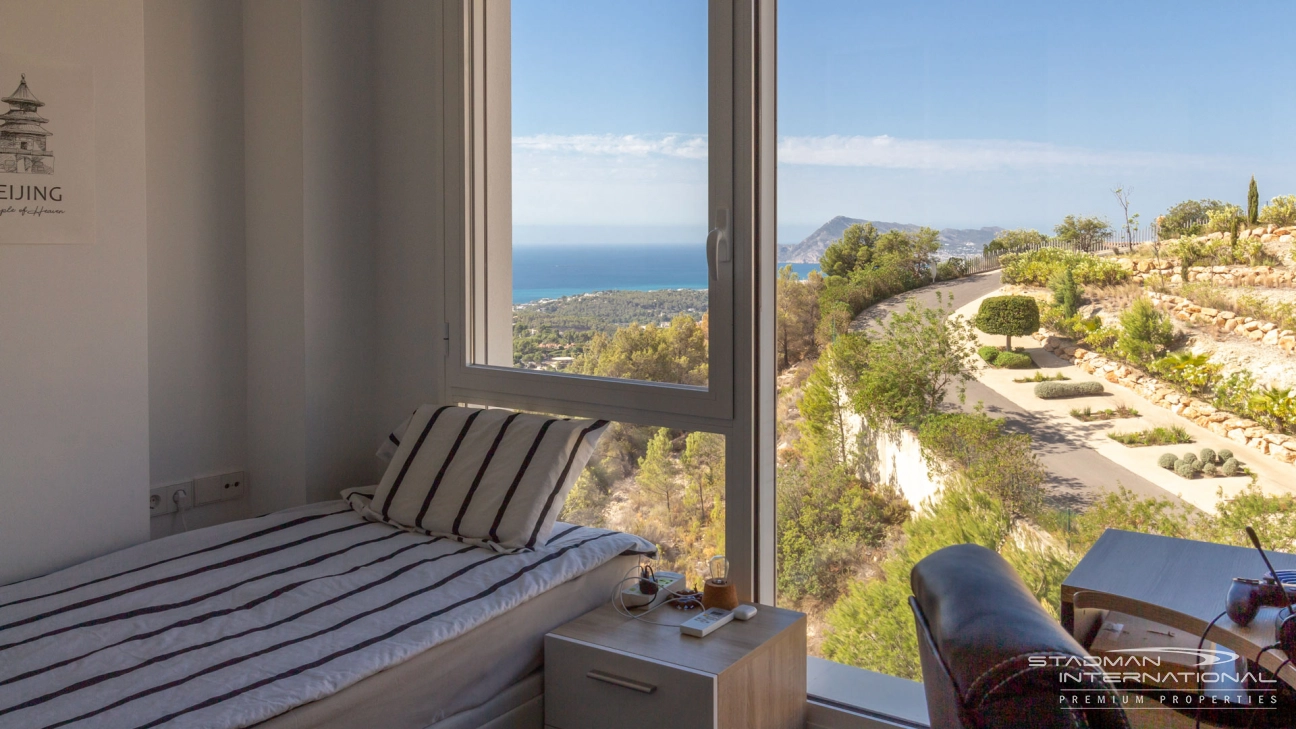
x=720, y=163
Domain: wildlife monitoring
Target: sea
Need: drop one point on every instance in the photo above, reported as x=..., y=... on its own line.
x=554, y=271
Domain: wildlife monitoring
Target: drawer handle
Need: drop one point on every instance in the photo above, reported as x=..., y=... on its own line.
x=643, y=688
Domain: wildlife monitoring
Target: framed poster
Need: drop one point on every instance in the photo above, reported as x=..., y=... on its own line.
x=47, y=153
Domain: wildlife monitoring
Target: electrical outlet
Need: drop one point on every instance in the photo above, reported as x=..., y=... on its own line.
x=210, y=489
x=162, y=498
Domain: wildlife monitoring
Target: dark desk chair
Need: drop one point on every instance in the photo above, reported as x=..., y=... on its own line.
x=978, y=628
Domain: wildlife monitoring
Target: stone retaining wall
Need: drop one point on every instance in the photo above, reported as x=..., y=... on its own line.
x=1237, y=429
x=1257, y=330
x=1268, y=276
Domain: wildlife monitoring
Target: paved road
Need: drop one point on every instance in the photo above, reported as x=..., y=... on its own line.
x=1077, y=473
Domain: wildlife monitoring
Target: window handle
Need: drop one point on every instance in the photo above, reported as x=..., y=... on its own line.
x=718, y=244
x=643, y=688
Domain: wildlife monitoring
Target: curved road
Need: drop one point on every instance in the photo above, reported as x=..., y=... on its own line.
x=1077, y=473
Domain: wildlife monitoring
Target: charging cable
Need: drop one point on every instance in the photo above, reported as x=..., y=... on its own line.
x=619, y=604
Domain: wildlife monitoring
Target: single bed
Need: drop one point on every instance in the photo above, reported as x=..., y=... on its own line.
x=309, y=617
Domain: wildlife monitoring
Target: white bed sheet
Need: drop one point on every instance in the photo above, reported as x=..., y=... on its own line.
x=464, y=673
x=231, y=626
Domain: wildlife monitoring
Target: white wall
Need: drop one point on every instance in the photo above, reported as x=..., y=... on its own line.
x=409, y=187
x=74, y=413
x=342, y=431
x=193, y=80
x=276, y=284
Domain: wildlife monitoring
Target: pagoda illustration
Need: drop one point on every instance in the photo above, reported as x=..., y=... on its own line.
x=22, y=138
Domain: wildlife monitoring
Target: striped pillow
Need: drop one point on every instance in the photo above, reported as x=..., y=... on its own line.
x=491, y=477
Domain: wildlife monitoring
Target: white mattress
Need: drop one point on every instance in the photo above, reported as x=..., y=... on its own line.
x=462, y=674
x=235, y=625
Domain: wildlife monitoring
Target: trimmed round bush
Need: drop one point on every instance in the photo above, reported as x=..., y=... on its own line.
x=1208, y=455
x=1011, y=316
x=1224, y=454
x=1055, y=390
x=988, y=353
x=1197, y=466
x=1185, y=469
x=1167, y=461
x=1014, y=360
x=1190, y=457
x=1231, y=467
x=1208, y=469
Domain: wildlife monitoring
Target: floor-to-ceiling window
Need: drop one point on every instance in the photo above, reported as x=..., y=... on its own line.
x=1123, y=170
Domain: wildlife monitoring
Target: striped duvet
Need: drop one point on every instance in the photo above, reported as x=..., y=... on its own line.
x=229, y=626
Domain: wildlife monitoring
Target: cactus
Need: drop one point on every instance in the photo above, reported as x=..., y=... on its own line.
x=1208, y=455
x=1167, y=461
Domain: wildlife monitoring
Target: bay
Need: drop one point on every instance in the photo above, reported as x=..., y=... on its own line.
x=554, y=271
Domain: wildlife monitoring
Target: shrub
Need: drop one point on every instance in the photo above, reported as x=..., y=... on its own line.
x=1011, y=240
x=1056, y=390
x=1207, y=455
x=1224, y=219
x=1041, y=377
x=1066, y=293
x=951, y=268
x=1193, y=372
x=1224, y=454
x=1008, y=315
x=989, y=353
x=1190, y=457
x=1280, y=211
x=1230, y=467
x=1145, y=332
x=1014, y=361
x=1185, y=469
x=1208, y=469
x=1167, y=461
x=1037, y=268
x=1155, y=436
x=1188, y=217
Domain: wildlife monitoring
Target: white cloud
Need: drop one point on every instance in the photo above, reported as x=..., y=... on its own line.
x=881, y=152
x=681, y=146
x=968, y=155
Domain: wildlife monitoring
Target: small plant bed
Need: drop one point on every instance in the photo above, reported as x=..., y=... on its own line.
x=1006, y=359
x=1058, y=390
x=1152, y=437
x=1206, y=463
x=1089, y=415
x=1041, y=377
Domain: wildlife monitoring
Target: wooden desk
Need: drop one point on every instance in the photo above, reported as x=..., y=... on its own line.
x=1176, y=582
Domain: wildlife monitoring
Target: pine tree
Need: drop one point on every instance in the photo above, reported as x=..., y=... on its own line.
x=1253, y=203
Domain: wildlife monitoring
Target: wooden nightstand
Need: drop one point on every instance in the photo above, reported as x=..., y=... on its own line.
x=606, y=670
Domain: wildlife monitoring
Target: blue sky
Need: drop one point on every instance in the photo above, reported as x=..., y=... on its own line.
x=951, y=114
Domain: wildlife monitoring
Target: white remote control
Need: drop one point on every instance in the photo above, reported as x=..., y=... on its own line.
x=706, y=623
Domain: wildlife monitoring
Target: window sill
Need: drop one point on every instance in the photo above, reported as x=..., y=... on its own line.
x=846, y=697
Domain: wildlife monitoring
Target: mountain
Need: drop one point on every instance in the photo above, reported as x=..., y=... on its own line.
x=954, y=241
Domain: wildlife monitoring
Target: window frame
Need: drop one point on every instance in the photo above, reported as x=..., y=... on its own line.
x=738, y=402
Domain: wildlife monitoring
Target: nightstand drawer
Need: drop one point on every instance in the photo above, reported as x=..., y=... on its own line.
x=588, y=687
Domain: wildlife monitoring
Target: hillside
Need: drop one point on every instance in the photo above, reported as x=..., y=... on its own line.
x=954, y=241
x=560, y=328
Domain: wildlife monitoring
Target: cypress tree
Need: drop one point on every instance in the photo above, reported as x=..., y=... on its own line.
x=1253, y=203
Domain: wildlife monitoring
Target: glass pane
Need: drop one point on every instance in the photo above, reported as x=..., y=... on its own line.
x=665, y=485
x=610, y=189
x=956, y=152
